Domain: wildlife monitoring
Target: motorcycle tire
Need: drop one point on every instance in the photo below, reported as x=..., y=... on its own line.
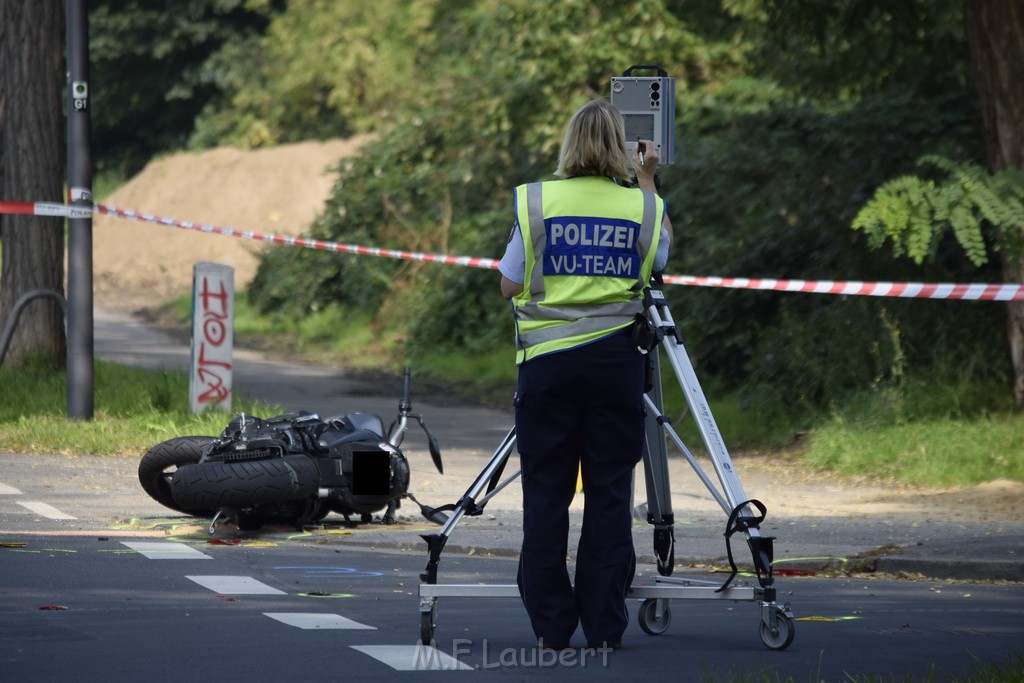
x=245, y=484
x=159, y=464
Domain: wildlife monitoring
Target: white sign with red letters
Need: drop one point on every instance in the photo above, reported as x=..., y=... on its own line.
x=213, y=321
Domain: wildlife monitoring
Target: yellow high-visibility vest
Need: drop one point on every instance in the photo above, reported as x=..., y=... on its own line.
x=590, y=246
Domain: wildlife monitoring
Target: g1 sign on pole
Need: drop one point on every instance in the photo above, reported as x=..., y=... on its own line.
x=213, y=323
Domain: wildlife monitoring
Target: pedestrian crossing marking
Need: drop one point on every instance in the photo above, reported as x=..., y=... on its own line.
x=45, y=510
x=235, y=585
x=163, y=550
x=417, y=657
x=316, y=620
x=6, y=490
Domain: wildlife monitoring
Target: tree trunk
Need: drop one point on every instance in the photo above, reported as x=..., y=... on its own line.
x=32, y=169
x=995, y=35
x=1013, y=271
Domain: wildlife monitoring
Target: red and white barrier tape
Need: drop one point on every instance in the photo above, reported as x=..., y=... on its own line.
x=916, y=290
x=45, y=209
x=470, y=261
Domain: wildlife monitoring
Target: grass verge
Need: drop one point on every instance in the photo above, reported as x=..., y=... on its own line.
x=133, y=410
x=937, y=452
x=923, y=433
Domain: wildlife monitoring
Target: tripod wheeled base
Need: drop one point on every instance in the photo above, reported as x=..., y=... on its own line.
x=777, y=627
x=654, y=615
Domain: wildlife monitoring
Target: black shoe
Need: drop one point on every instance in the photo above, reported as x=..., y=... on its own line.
x=552, y=645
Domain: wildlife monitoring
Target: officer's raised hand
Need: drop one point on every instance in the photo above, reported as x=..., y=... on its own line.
x=646, y=164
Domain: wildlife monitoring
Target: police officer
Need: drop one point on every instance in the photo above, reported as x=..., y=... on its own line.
x=581, y=251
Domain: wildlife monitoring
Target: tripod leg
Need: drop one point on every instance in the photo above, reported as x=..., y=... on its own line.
x=734, y=501
x=659, y=495
x=466, y=504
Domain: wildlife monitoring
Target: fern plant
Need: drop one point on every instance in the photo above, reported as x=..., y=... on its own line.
x=916, y=212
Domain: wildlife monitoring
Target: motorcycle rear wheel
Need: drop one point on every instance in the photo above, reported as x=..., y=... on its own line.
x=245, y=484
x=159, y=464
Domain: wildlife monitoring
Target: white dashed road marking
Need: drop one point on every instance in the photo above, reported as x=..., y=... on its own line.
x=235, y=585
x=398, y=657
x=45, y=510
x=166, y=551
x=309, y=620
x=412, y=657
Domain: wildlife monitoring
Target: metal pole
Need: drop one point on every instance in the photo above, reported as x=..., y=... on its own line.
x=80, y=313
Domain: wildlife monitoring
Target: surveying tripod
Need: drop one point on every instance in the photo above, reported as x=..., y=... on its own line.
x=743, y=515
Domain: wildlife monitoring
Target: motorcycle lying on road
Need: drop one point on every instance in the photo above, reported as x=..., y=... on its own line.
x=292, y=469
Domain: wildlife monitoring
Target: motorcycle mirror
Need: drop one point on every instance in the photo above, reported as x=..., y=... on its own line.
x=435, y=454
x=435, y=450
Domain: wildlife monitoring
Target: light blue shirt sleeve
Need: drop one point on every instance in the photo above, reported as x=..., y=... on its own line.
x=664, y=243
x=661, y=253
x=513, y=264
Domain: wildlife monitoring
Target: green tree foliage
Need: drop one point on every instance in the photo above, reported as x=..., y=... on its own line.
x=150, y=71
x=845, y=49
x=771, y=193
x=328, y=68
x=915, y=212
x=502, y=86
x=849, y=94
x=777, y=152
x=790, y=114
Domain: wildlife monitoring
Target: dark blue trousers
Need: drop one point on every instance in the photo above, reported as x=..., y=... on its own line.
x=582, y=407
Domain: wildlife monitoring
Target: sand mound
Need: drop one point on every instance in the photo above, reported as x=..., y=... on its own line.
x=277, y=190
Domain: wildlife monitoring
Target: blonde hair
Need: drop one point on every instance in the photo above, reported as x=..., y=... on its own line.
x=594, y=143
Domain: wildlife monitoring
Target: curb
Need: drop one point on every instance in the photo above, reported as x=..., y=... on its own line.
x=976, y=569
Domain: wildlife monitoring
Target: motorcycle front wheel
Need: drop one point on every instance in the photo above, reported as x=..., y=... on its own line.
x=158, y=465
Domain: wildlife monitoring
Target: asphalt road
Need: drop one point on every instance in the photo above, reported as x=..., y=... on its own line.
x=98, y=583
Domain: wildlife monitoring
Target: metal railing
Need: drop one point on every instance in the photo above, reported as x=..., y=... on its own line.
x=19, y=306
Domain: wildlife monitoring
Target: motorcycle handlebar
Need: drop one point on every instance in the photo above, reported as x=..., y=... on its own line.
x=405, y=404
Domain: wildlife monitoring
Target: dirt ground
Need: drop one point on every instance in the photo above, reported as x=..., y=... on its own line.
x=278, y=190
x=996, y=501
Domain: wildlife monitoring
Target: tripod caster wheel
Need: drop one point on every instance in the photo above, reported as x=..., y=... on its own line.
x=654, y=616
x=428, y=622
x=779, y=635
